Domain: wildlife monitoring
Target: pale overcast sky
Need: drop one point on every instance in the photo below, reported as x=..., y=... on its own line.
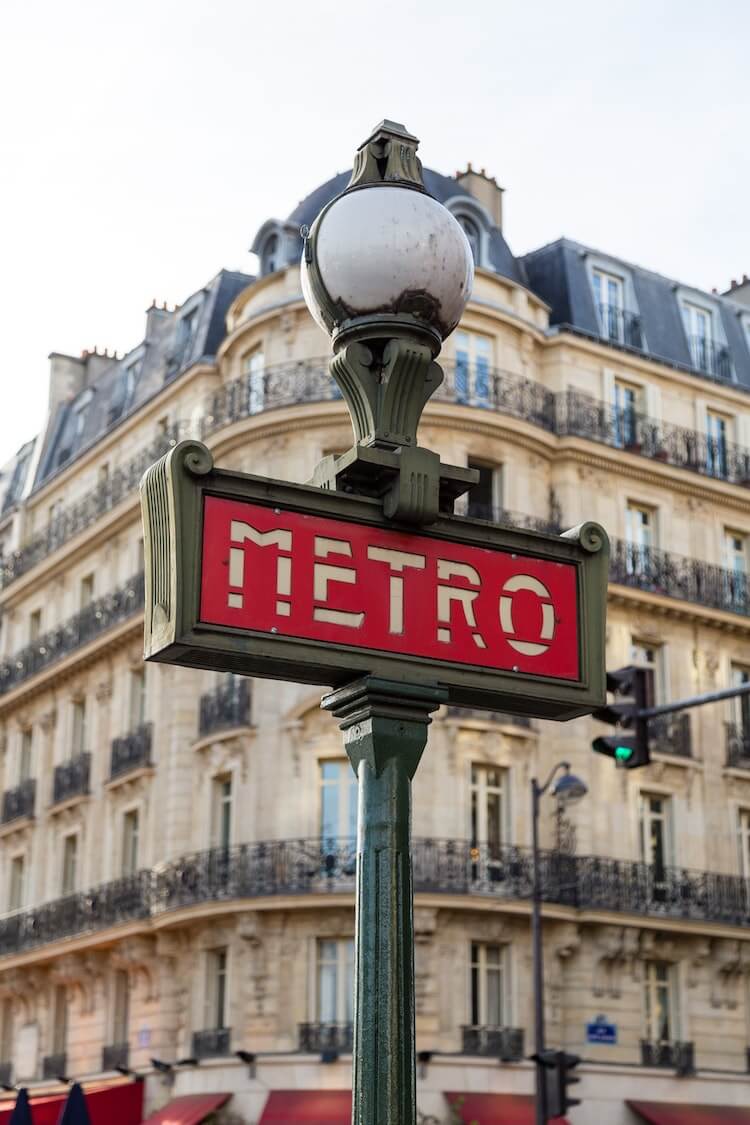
x=142, y=144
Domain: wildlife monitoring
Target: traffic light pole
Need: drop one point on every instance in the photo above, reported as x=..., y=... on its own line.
x=540, y=1099
x=694, y=701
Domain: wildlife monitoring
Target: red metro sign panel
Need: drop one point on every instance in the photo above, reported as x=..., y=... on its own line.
x=292, y=582
x=320, y=579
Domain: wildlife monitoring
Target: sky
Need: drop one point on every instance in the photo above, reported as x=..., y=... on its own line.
x=143, y=144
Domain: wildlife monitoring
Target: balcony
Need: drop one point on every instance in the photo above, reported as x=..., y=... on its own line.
x=71, y=779
x=671, y=734
x=212, y=1043
x=582, y=415
x=132, y=751
x=53, y=1066
x=710, y=358
x=504, y=1043
x=226, y=707
x=315, y=1038
x=85, y=626
x=738, y=746
x=677, y=576
x=490, y=388
x=115, y=1055
x=676, y=1056
x=620, y=326
x=6, y=1073
x=19, y=802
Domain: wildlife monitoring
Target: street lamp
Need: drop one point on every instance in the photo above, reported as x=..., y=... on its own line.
x=567, y=789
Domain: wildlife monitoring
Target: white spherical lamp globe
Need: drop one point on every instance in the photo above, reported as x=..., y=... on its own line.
x=387, y=251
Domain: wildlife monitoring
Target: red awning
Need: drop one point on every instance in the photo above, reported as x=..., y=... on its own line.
x=108, y=1105
x=308, y=1107
x=496, y=1109
x=683, y=1113
x=190, y=1109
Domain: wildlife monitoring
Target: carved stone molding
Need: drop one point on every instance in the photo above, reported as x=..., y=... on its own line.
x=137, y=957
x=614, y=949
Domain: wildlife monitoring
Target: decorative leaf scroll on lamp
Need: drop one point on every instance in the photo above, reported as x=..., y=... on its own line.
x=387, y=272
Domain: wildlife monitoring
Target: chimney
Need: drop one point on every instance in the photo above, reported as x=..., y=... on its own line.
x=69, y=374
x=485, y=190
x=740, y=290
x=155, y=317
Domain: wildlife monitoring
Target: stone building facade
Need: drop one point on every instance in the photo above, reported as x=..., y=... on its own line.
x=176, y=854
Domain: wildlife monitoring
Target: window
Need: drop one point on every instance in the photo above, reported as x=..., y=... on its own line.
x=486, y=498
x=120, y=1006
x=69, y=864
x=335, y=981
x=338, y=800
x=269, y=255
x=60, y=1020
x=716, y=444
x=699, y=330
x=6, y=1030
x=132, y=375
x=17, y=882
x=80, y=419
x=35, y=625
x=626, y=408
x=188, y=326
x=78, y=739
x=743, y=840
x=640, y=526
x=655, y=833
x=253, y=365
x=86, y=593
x=130, y=834
x=659, y=1002
x=735, y=562
x=473, y=364
x=651, y=656
x=610, y=304
x=216, y=988
x=137, y=698
x=471, y=230
x=24, y=755
x=488, y=985
x=488, y=796
x=739, y=709
x=221, y=834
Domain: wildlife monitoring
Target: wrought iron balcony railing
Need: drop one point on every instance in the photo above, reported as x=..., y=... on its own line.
x=738, y=746
x=131, y=751
x=315, y=866
x=226, y=707
x=677, y=576
x=671, y=734
x=582, y=415
x=314, y=1038
x=19, y=802
x=71, y=779
x=53, y=1066
x=710, y=357
x=211, y=1043
x=491, y=388
x=114, y=1055
x=504, y=1043
x=620, y=325
x=669, y=1055
x=95, y=619
x=6, y=1071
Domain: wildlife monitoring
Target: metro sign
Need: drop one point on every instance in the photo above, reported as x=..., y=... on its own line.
x=293, y=582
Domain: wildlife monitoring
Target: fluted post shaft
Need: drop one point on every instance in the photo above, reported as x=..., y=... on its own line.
x=385, y=731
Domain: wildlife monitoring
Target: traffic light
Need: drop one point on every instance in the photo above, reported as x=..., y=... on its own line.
x=557, y=1067
x=632, y=688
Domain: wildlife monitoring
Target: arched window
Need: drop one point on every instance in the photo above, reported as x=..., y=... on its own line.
x=471, y=230
x=268, y=262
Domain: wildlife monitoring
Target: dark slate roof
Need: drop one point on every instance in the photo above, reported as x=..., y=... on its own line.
x=441, y=188
x=166, y=351
x=557, y=272
x=14, y=476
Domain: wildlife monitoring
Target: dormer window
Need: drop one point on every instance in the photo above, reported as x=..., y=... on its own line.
x=132, y=375
x=79, y=413
x=610, y=304
x=188, y=325
x=471, y=230
x=699, y=328
x=269, y=255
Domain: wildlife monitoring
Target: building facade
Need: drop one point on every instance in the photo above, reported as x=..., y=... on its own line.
x=176, y=847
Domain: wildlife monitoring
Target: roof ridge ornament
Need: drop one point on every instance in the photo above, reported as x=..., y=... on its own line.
x=388, y=156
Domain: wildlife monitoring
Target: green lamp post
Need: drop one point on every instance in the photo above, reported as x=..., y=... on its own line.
x=387, y=272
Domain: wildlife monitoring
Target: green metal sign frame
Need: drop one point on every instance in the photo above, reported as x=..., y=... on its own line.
x=173, y=492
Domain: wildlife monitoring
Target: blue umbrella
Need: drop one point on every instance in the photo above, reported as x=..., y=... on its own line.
x=21, y=1114
x=74, y=1111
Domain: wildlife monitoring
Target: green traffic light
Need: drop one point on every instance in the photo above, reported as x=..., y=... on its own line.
x=623, y=753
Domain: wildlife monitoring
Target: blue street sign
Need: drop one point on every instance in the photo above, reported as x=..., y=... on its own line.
x=601, y=1032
